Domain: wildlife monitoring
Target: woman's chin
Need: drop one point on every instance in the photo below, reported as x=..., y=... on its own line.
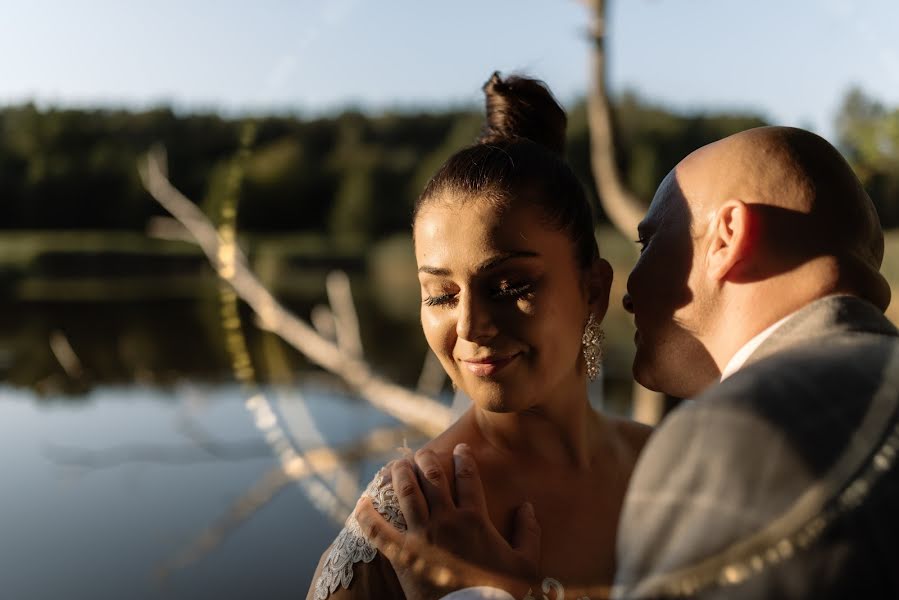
x=498, y=400
x=497, y=406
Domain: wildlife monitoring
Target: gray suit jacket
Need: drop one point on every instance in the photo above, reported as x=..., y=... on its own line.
x=783, y=480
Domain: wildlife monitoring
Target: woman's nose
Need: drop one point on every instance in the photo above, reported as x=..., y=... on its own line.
x=475, y=321
x=628, y=303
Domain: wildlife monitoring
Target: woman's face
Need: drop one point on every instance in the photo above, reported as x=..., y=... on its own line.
x=503, y=301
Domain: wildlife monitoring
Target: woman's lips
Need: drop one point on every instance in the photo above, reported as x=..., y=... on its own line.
x=485, y=367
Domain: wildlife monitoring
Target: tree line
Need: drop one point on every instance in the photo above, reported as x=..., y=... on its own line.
x=351, y=175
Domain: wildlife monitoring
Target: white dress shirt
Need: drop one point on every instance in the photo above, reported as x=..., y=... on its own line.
x=739, y=358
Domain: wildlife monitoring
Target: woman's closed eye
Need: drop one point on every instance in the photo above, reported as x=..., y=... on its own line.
x=439, y=300
x=508, y=290
x=501, y=292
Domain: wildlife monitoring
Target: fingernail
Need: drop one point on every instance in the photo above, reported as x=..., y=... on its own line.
x=461, y=452
x=461, y=449
x=528, y=509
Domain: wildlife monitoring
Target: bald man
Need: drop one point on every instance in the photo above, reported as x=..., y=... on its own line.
x=759, y=270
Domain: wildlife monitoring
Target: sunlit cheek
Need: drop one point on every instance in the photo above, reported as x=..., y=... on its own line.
x=439, y=332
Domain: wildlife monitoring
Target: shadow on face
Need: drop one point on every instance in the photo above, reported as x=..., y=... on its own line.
x=809, y=230
x=670, y=357
x=674, y=313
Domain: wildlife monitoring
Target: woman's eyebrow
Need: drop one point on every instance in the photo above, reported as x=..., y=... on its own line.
x=488, y=264
x=497, y=260
x=434, y=271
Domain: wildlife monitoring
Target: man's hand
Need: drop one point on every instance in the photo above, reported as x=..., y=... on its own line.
x=450, y=544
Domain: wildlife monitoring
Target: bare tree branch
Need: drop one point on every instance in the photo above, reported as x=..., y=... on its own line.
x=623, y=208
x=181, y=454
x=65, y=354
x=340, y=297
x=421, y=412
x=620, y=204
x=316, y=462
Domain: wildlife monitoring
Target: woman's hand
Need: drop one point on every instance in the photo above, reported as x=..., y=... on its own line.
x=450, y=544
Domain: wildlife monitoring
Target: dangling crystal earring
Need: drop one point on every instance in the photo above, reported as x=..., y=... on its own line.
x=592, y=346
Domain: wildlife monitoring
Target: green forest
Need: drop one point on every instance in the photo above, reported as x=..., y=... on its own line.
x=78, y=253
x=350, y=176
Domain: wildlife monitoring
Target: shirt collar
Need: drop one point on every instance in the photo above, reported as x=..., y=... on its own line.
x=742, y=355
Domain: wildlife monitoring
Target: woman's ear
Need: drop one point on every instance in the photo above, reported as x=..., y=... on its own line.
x=599, y=284
x=731, y=230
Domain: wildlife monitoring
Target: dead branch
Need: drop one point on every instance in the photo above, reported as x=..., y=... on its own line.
x=620, y=204
x=315, y=463
x=346, y=322
x=65, y=354
x=175, y=454
x=622, y=207
x=421, y=412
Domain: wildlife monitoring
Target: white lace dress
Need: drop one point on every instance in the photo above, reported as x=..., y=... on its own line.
x=351, y=547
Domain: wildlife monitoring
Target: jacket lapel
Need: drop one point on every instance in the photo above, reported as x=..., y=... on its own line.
x=829, y=316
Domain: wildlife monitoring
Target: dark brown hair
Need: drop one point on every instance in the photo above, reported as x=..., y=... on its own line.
x=520, y=154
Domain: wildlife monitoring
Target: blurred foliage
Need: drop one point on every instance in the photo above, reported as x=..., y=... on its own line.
x=869, y=138
x=316, y=194
x=352, y=176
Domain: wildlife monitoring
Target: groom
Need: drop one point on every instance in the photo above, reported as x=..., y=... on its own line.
x=759, y=269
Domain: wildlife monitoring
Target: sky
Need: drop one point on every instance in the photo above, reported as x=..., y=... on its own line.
x=791, y=61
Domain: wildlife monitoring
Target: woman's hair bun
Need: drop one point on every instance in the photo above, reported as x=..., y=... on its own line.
x=520, y=107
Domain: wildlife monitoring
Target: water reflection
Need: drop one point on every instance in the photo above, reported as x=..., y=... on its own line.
x=132, y=468
x=163, y=341
x=104, y=497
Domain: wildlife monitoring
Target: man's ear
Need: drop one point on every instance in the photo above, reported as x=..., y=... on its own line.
x=599, y=284
x=732, y=229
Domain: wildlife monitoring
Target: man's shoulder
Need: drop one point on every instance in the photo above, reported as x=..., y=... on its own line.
x=847, y=368
x=817, y=397
x=763, y=451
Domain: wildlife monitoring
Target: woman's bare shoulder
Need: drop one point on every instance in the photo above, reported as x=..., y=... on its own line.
x=632, y=433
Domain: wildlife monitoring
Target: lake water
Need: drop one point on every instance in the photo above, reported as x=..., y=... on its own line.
x=129, y=470
x=145, y=492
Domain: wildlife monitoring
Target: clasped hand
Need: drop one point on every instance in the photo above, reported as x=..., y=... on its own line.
x=450, y=543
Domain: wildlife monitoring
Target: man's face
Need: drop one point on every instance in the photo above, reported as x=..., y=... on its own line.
x=664, y=293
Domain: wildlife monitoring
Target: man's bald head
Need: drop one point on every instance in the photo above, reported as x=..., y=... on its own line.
x=794, y=172
x=740, y=234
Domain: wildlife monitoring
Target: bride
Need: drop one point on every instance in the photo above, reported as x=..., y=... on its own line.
x=513, y=290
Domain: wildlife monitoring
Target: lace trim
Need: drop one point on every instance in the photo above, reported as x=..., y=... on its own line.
x=351, y=546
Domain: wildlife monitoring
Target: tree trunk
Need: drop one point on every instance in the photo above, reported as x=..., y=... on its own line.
x=622, y=207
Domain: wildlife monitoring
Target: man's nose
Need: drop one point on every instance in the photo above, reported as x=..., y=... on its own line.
x=475, y=321
x=628, y=303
